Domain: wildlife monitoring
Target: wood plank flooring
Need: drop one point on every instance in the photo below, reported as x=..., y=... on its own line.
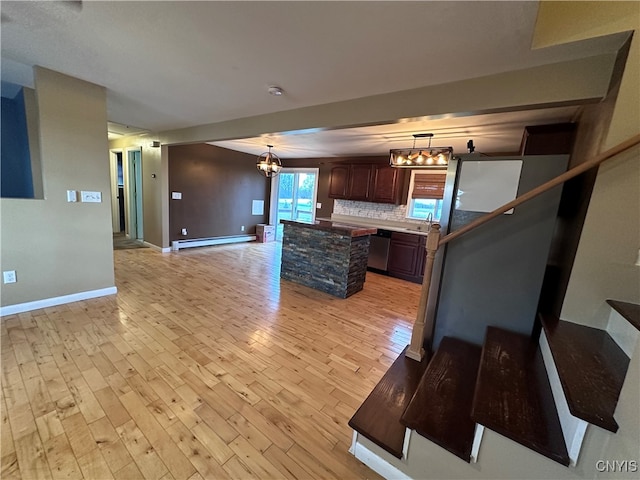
x=204, y=365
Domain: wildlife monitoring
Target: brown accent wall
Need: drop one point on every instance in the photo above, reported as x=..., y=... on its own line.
x=217, y=186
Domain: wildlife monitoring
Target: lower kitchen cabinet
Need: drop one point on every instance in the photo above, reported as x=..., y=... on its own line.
x=406, y=256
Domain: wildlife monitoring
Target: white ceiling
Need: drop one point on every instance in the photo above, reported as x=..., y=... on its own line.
x=169, y=65
x=491, y=133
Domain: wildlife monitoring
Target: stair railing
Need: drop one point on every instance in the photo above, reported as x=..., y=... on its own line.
x=434, y=242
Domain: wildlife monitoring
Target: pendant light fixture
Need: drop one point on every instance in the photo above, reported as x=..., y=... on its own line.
x=429, y=157
x=269, y=164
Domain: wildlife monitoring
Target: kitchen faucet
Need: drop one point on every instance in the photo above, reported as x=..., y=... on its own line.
x=429, y=221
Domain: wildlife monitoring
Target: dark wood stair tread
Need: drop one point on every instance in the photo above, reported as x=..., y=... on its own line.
x=591, y=367
x=440, y=410
x=630, y=311
x=513, y=396
x=378, y=418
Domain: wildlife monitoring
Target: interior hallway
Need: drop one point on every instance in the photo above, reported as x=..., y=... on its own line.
x=204, y=365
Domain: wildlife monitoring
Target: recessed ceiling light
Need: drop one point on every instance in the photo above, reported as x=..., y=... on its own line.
x=275, y=91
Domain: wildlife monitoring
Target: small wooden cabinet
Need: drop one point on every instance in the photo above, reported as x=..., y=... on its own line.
x=406, y=256
x=387, y=184
x=366, y=182
x=360, y=182
x=339, y=182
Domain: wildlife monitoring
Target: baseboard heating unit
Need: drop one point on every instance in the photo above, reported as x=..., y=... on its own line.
x=205, y=242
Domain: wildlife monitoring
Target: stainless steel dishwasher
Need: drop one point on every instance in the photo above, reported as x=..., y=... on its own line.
x=379, y=250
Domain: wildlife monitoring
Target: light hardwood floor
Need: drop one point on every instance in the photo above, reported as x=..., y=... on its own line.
x=204, y=365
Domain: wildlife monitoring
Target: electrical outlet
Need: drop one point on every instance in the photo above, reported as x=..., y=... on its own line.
x=9, y=276
x=184, y=231
x=242, y=228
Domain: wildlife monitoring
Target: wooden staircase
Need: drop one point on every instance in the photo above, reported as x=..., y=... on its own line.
x=542, y=395
x=513, y=396
x=440, y=409
x=378, y=418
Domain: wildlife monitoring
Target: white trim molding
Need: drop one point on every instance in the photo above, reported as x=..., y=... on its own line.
x=52, y=302
x=622, y=332
x=477, y=439
x=573, y=428
x=374, y=461
x=156, y=247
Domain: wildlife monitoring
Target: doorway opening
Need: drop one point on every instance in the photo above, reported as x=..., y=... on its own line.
x=118, y=210
x=134, y=159
x=293, y=197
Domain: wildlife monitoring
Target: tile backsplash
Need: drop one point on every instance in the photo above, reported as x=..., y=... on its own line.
x=380, y=211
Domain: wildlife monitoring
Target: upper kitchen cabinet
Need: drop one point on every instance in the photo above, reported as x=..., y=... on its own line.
x=366, y=182
x=339, y=182
x=360, y=182
x=387, y=184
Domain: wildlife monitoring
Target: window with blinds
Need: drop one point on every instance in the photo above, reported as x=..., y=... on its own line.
x=428, y=185
x=426, y=194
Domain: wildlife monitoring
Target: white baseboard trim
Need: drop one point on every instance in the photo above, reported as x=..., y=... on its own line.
x=157, y=248
x=375, y=462
x=52, y=302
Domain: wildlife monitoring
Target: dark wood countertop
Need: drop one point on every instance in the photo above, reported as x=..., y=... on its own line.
x=337, y=227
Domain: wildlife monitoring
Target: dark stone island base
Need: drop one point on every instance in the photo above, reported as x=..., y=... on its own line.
x=327, y=256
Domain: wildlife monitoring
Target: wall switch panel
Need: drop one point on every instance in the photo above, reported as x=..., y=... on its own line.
x=176, y=195
x=9, y=276
x=72, y=196
x=91, y=197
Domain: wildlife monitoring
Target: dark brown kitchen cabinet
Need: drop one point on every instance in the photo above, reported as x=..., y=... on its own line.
x=366, y=182
x=387, y=184
x=360, y=182
x=339, y=182
x=406, y=256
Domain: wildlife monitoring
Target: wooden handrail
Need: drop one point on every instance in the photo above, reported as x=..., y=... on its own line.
x=568, y=175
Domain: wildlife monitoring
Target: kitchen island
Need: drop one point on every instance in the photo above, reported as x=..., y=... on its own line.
x=325, y=255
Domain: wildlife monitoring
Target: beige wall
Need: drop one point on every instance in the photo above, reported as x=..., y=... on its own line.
x=604, y=265
x=152, y=187
x=59, y=248
x=574, y=81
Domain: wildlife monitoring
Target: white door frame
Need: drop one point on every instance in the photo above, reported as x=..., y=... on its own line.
x=273, y=209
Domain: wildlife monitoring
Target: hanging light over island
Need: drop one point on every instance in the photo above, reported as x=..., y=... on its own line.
x=422, y=157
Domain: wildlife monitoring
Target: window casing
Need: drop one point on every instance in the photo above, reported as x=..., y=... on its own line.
x=426, y=191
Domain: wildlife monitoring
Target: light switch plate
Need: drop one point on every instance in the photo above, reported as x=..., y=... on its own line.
x=91, y=197
x=72, y=196
x=176, y=195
